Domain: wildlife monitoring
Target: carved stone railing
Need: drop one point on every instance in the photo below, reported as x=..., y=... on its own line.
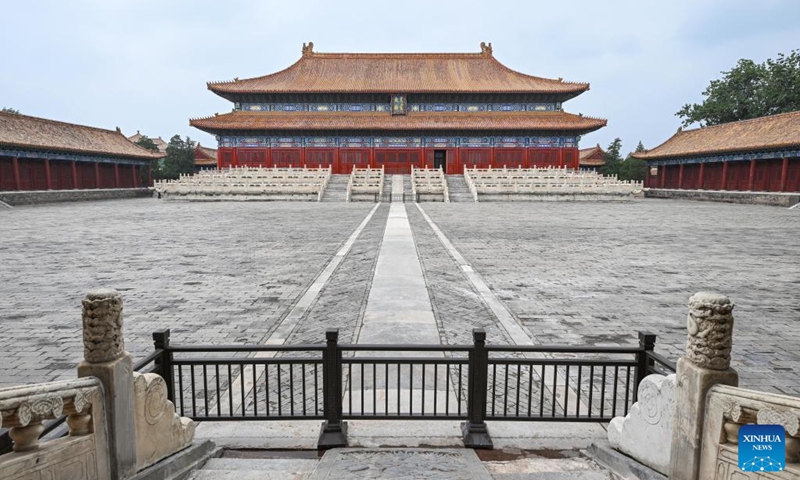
x=248, y=182
x=82, y=455
x=727, y=409
x=546, y=181
x=120, y=422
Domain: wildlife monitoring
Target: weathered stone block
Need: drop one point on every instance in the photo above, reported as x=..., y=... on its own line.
x=160, y=432
x=646, y=432
x=692, y=386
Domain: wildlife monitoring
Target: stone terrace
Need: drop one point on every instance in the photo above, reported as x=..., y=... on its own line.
x=573, y=273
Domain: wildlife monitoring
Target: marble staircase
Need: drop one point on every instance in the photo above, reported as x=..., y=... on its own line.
x=459, y=192
x=336, y=189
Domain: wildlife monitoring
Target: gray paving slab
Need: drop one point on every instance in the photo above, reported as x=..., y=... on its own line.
x=598, y=273
x=211, y=272
x=229, y=273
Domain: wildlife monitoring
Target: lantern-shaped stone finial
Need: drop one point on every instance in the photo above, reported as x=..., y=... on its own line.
x=710, y=325
x=102, y=326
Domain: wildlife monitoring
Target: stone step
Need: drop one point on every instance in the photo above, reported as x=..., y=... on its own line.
x=336, y=190
x=575, y=475
x=533, y=465
x=459, y=191
x=255, y=468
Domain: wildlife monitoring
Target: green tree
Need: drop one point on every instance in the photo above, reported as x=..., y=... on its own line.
x=633, y=168
x=179, y=159
x=612, y=158
x=749, y=90
x=147, y=143
x=10, y=110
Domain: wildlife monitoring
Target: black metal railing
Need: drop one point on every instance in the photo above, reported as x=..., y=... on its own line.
x=336, y=382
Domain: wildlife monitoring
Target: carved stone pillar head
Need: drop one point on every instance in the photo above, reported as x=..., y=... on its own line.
x=710, y=325
x=102, y=326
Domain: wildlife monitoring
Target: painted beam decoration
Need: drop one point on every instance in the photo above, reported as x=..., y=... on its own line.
x=399, y=142
x=385, y=107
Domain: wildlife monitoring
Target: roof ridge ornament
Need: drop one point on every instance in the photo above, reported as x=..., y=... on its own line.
x=486, y=49
x=308, y=49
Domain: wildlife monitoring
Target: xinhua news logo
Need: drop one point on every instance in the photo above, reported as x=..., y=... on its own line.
x=762, y=448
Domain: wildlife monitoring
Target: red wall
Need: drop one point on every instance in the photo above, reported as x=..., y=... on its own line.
x=767, y=176
x=397, y=160
x=67, y=175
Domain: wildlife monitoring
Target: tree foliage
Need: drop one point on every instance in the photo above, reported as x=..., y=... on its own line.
x=179, y=159
x=612, y=158
x=10, y=110
x=749, y=90
x=147, y=143
x=628, y=169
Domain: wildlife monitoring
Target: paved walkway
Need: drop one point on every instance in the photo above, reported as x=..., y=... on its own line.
x=398, y=308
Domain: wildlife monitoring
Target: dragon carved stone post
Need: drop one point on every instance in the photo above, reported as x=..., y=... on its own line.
x=706, y=363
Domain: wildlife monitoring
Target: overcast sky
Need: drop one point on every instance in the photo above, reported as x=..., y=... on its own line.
x=143, y=65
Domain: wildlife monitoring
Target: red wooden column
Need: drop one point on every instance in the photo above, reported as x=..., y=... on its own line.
x=133, y=176
x=15, y=168
x=784, y=174
x=752, y=177
x=97, y=176
x=150, y=174
x=680, y=177
x=663, y=178
x=702, y=175
x=74, y=168
x=48, y=181
x=724, y=184
x=116, y=175
x=560, y=158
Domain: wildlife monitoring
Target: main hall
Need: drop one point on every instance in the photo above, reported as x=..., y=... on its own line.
x=398, y=110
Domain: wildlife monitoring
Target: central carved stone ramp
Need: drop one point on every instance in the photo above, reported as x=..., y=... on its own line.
x=403, y=463
x=457, y=186
x=336, y=191
x=400, y=463
x=398, y=188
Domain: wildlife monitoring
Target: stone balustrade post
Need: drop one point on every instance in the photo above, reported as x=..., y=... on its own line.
x=706, y=363
x=105, y=358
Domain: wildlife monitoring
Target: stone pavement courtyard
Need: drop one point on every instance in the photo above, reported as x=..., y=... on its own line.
x=573, y=273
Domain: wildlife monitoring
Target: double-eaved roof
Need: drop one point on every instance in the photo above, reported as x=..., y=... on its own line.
x=398, y=73
x=23, y=132
x=774, y=132
x=326, y=121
